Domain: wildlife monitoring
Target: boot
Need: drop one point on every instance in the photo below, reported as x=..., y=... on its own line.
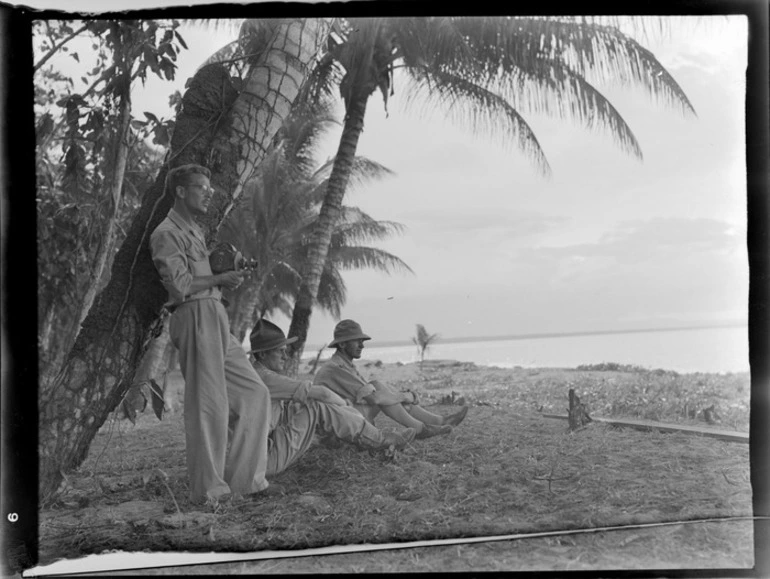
x=457, y=417
x=398, y=440
x=429, y=431
x=372, y=438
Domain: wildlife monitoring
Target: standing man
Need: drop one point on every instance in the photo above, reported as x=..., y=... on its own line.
x=225, y=401
x=371, y=397
x=301, y=410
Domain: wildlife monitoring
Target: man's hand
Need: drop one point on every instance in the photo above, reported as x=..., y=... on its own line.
x=230, y=279
x=409, y=397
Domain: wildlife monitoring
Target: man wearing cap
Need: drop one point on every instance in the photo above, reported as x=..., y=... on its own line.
x=340, y=375
x=299, y=408
x=225, y=401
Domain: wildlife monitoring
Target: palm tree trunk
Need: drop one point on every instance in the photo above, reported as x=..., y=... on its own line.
x=242, y=318
x=269, y=94
x=100, y=368
x=329, y=216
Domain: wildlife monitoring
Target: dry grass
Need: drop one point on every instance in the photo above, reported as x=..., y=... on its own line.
x=504, y=470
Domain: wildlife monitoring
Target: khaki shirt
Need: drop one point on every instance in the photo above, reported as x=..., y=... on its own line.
x=179, y=253
x=282, y=388
x=339, y=375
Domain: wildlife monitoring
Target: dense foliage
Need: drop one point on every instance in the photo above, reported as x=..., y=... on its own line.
x=93, y=161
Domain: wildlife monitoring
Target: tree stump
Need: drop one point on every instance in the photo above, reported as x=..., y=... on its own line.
x=578, y=412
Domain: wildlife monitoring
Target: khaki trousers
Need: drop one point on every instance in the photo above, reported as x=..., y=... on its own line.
x=299, y=422
x=224, y=400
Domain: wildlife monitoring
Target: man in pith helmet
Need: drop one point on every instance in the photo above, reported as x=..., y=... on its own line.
x=370, y=397
x=300, y=409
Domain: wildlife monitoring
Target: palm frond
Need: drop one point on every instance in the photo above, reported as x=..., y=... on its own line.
x=357, y=227
x=362, y=172
x=504, y=46
x=432, y=42
x=323, y=80
x=358, y=257
x=301, y=134
x=474, y=108
x=556, y=90
x=332, y=292
x=271, y=303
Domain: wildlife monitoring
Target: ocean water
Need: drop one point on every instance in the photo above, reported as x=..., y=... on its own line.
x=698, y=350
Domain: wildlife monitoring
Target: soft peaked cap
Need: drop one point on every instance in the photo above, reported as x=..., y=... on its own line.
x=267, y=336
x=347, y=330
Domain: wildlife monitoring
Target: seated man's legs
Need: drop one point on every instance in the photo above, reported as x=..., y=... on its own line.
x=294, y=434
x=291, y=438
x=370, y=411
x=433, y=419
x=413, y=416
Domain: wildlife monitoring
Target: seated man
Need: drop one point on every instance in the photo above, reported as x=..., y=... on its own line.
x=299, y=408
x=370, y=397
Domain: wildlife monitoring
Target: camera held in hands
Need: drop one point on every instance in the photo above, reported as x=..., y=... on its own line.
x=225, y=257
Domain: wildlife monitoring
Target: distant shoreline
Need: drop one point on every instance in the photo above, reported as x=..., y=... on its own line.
x=471, y=339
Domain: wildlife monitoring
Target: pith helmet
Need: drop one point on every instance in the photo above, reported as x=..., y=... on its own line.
x=347, y=330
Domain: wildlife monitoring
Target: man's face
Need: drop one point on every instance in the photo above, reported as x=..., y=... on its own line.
x=274, y=359
x=353, y=348
x=197, y=194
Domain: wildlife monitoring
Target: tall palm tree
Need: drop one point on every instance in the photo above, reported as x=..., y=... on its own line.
x=349, y=251
x=483, y=73
x=279, y=210
x=222, y=127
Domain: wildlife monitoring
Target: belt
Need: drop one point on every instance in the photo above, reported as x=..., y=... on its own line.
x=171, y=308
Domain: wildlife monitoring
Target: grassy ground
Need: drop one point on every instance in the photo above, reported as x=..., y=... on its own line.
x=505, y=470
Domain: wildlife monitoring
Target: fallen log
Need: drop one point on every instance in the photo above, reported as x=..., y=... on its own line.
x=727, y=435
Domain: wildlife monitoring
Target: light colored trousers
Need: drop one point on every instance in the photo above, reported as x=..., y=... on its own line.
x=298, y=422
x=224, y=399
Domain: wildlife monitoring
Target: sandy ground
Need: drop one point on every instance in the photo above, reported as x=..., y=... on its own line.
x=505, y=470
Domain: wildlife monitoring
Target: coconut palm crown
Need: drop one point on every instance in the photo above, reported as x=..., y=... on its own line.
x=484, y=73
x=279, y=211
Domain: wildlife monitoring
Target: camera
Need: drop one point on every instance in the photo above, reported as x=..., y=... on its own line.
x=226, y=257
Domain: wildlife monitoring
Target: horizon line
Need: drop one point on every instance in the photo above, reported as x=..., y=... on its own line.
x=454, y=340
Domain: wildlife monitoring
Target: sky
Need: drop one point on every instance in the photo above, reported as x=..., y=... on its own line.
x=607, y=242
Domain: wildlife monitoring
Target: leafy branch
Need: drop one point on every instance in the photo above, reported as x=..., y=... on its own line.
x=57, y=47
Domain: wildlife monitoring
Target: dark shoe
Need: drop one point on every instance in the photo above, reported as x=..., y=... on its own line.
x=398, y=440
x=457, y=417
x=429, y=431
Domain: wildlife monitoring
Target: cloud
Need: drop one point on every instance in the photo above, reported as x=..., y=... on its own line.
x=482, y=222
x=650, y=240
x=660, y=266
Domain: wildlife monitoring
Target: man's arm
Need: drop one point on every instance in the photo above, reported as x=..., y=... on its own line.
x=170, y=260
x=340, y=381
x=283, y=387
x=386, y=397
x=228, y=279
x=323, y=394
